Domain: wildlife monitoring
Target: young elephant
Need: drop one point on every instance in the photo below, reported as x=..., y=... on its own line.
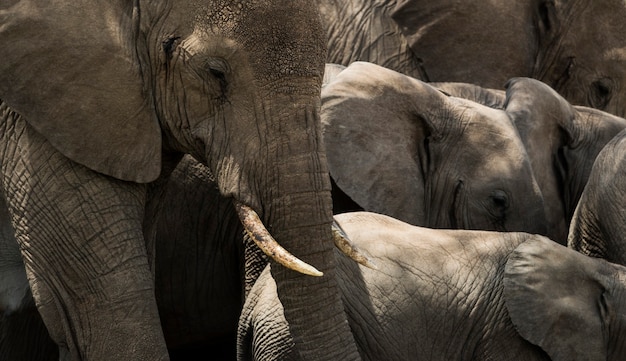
x=459, y=295
x=400, y=147
x=562, y=140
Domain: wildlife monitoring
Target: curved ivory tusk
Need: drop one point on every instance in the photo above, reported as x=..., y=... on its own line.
x=264, y=240
x=349, y=249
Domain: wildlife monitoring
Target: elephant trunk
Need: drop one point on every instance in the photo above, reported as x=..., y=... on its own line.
x=298, y=213
x=312, y=305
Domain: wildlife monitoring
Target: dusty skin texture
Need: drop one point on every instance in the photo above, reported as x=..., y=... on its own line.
x=459, y=295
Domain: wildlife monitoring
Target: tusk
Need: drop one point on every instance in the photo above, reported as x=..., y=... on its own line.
x=264, y=240
x=348, y=248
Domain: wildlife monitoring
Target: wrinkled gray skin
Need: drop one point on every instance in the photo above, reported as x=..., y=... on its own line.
x=459, y=295
x=199, y=273
x=400, y=147
x=96, y=97
x=23, y=335
x=578, y=48
x=199, y=265
x=598, y=223
x=562, y=140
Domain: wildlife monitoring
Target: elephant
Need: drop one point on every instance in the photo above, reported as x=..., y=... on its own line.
x=597, y=225
x=562, y=140
x=577, y=48
x=459, y=295
x=100, y=100
x=398, y=146
x=204, y=266
x=200, y=273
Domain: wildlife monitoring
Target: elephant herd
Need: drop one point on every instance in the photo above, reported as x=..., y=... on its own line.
x=506, y=287
x=195, y=180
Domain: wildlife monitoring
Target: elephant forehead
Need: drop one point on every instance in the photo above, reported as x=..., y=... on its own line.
x=226, y=13
x=284, y=37
x=489, y=129
x=278, y=37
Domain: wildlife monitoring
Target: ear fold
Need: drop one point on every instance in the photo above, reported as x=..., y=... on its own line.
x=376, y=123
x=556, y=299
x=547, y=25
x=73, y=72
x=546, y=18
x=492, y=98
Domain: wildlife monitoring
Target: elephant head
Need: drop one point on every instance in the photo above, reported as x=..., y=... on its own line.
x=587, y=67
x=596, y=228
x=578, y=48
x=118, y=87
x=562, y=140
x=400, y=147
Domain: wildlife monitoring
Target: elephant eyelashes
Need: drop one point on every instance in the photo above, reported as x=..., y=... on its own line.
x=499, y=204
x=169, y=45
x=500, y=200
x=221, y=79
x=218, y=68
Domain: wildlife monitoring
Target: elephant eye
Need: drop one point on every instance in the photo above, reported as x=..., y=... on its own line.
x=500, y=200
x=221, y=78
x=218, y=68
x=170, y=44
x=601, y=91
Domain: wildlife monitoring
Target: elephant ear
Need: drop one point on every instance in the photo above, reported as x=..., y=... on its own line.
x=376, y=123
x=559, y=299
x=549, y=127
x=545, y=121
x=72, y=70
